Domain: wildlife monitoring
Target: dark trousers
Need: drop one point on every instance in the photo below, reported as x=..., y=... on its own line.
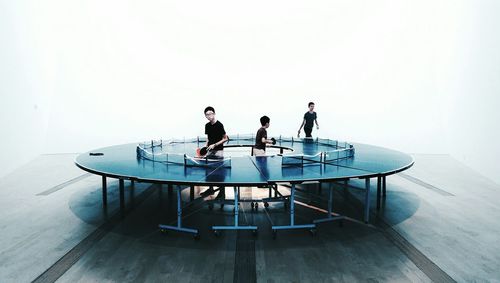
x=308, y=132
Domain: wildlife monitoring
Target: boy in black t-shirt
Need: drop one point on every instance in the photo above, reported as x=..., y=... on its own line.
x=310, y=117
x=216, y=135
x=261, y=137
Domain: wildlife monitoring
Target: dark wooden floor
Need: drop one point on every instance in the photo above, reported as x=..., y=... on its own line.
x=438, y=223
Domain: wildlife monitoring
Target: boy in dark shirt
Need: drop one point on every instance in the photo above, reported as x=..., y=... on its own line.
x=261, y=138
x=310, y=117
x=216, y=135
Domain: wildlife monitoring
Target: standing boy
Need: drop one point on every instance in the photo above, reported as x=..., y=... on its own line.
x=310, y=117
x=261, y=138
x=216, y=135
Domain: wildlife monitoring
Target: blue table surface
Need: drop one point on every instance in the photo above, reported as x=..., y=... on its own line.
x=121, y=161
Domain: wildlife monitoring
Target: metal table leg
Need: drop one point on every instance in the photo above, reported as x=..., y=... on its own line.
x=104, y=191
x=292, y=217
x=179, y=219
x=122, y=193
x=367, y=200
x=329, y=217
x=236, y=225
x=378, y=191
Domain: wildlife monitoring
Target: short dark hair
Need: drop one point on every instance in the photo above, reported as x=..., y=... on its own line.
x=209, y=108
x=264, y=120
x=310, y=103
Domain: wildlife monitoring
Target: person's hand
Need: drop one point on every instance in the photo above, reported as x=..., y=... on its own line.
x=317, y=127
x=210, y=147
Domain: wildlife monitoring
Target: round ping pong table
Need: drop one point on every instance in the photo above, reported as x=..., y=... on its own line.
x=290, y=161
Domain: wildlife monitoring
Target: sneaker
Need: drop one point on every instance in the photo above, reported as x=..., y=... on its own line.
x=208, y=192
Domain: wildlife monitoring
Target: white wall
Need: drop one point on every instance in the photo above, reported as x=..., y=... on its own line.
x=129, y=71
x=382, y=72
x=472, y=82
x=25, y=87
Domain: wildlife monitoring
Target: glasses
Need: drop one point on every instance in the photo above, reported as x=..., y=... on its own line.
x=209, y=114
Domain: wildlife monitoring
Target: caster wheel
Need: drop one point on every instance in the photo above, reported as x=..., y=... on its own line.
x=221, y=206
x=275, y=234
x=266, y=204
x=256, y=206
x=216, y=233
x=252, y=205
x=312, y=232
x=163, y=231
x=196, y=236
x=254, y=233
x=211, y=206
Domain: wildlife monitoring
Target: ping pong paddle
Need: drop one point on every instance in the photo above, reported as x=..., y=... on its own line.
x=200, y=152
x=274, y=141
x=96, y=153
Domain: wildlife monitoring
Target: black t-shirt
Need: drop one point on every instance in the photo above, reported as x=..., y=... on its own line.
x=261, y=133
x=215, y=133
x=309, y=117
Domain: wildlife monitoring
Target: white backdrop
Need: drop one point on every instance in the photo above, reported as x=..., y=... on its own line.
x=132, y=71
x=109, y=72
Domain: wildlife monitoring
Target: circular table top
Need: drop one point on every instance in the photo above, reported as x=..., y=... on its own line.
x=122, y=161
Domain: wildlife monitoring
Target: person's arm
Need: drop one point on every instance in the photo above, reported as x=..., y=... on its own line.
x=265, y=141
x=223, y=140
x=302, y=125
x=206, y=133
x=317, y=125
x=268, y=141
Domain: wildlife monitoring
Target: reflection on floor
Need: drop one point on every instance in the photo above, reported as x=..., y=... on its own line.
x=438, y=223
